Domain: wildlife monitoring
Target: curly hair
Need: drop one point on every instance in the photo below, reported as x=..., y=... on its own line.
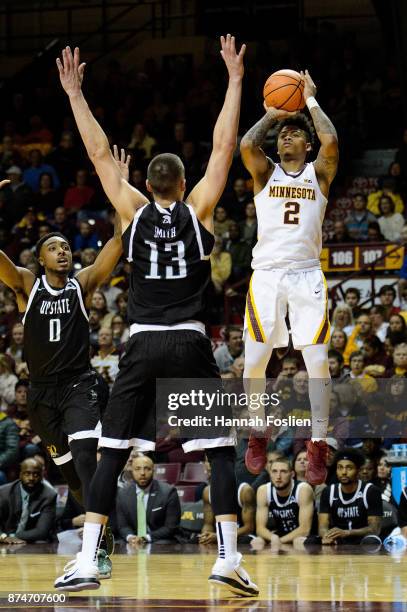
x=301, y=121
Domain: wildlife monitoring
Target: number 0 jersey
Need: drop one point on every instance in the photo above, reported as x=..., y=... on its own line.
x=169, y=250
x=56, y=331
x=290, y=211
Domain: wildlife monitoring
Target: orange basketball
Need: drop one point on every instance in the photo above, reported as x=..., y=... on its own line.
x=284, y=89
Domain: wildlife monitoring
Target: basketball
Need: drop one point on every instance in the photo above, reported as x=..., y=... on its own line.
x=284, y=89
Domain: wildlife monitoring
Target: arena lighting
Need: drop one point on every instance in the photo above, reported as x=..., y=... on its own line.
x=91, y=221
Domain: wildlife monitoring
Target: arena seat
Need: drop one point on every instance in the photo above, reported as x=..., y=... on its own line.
x=186, y=493
x=194, y=472
x=168, y=472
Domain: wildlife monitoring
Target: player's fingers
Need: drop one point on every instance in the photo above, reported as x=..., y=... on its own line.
x=59, y=66
x=242, y=50
x=122, y=156
x=228, y=37
x=81, y=69
x=222, y=41
x=76, y=57
x=115, y=152
x=233, y=44
x=128, y=160
x=5, y=182
x=68, y=58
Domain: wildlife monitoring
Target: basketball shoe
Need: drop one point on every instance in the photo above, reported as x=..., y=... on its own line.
x=232, y=576
x=255, y=457
x=78, y=576
x=317, y=453
x=104, y=564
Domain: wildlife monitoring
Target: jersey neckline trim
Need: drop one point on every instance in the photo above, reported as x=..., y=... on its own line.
x=50, y=289
x=291, y=175
x=353, y=499
x=164, y=211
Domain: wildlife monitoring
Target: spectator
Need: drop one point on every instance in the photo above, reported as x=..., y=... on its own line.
x=358, y=220
x=289, y=503
x=352, y=299
x=363, y=329
x=379, y=323
x=373, y=232
x=336, y=364
x=18, y=194
x=233, y=347
x=86, y=238
x=120, y=332
x=99, y=303
x=9, y=444
x=16, y=348
x=47, y=198
x=29, y=441
x=106, y=361
x=65, y=159
x=367, y=470
x=403, y=512
x=221, y=266
x=340, y=234
x=235, y=204
x=397, y=325
x=26, y=230
x=88, y=257
x=121, y=304
x=240, y=253
x=351, y=509
x=37, y=167
x=246, y=511
x=390, y=222
x=27, y=506
x=142, y=141
x=387, y=295
x=248, y=227
x=342, y=319
x=339, y=340
x=383, y=480
x=95, y=317
x=38, y=133
x=8, y=382
x=60, y=223
x=148, y=510
x=399, y=361
x=221, y=222
x=81, y=195
x=373, y=351
x=388, y=186
x=358, y=374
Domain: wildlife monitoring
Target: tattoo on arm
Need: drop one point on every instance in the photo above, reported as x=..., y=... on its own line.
x=257, y=134
x=323, y=125
x=327, y=161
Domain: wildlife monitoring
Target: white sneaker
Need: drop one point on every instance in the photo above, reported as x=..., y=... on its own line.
x=232, y=576
x=78, y=576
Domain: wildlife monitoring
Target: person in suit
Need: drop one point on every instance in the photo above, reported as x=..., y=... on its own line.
x=27, y=507
x=148, y=510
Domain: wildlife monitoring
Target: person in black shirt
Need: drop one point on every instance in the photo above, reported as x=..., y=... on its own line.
x=402, y=513
x=168, y=241
x=350, y=509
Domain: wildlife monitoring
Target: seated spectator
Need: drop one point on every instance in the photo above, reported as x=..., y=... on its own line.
x=350, y=509
x=80, y=196
x=388, y=185
x=373, y=351
x=95, y=318
x=336, y=364
x=367, y=470
x=246, y=511
x=390, y=222
x=340, y=234
x=221, y=265
x=148, y=510
x=221, y=222
x=15, y=350
x=285, y=507
x=26, y=230
x=120, y=331
x=374, y=233
x=61, y=223
x=142, y=141
x=235, y=203
x=379, y=324
x=64, y=158
x=9, y=445
x=339, y=340
x=106, y=361
x=387, y=295
x=27, y=506
x=357, y=222
x=88, y=257
x=47, y=198
x=402, y=514
x=342, y=319
x=382, y=480
x=37, y=167
x=121, y=304
x=86, y=237
x=18, y=193
x=29, y=441
x=39, y=133
x=299, y=403
x=357, y=372
x=8, y=382
x=363, y=329
x=352, y=299
x=240, y=253
x=233, y=347
x=397, y=325
x=248, y=227
x=99, y=303
x=300, y=463
x=399, y=361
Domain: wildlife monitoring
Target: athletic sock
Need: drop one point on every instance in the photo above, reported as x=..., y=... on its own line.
x=227, y=539
x=92, y=534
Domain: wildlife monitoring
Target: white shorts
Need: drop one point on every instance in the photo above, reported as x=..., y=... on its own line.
x=302, y=294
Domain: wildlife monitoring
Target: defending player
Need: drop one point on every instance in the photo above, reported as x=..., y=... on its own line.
x=64, y=394
x=290, y=199
x=168, y=242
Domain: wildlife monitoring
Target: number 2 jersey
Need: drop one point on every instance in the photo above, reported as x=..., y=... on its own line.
x=169, y=250
x=56, y=332
x=290, y=211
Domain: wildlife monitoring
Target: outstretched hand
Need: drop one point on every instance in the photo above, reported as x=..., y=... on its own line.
x=122, y=161
x=71, y=71
x=3, y=183
x=232, y=59
x=310, y=89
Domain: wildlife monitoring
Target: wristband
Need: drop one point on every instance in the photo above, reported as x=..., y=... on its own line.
x=311, y=102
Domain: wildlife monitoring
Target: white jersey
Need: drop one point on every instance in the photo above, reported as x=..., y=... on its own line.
x=290, y=211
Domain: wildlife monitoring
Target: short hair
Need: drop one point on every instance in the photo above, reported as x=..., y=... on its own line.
x=290, y=360
x=283, y=459
x=386, y=288
x=163, y=172
x=381, y=310
x=21, y=383
x=333, y=354
x=374, y=342
x=302, y=122
x=231, y=328
x=41, y=241
x=354, y=290
x=360, y=194
x=352, y=454
x=401, y=345
x=386, y=197
x=356, y=354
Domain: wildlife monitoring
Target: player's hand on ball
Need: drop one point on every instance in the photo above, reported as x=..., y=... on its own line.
x=279, y=113
x=71, y=71
x=232, y=59
x=310, y=89
x=122, y=161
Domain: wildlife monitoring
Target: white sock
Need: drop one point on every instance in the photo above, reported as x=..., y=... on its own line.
x=92, y=534
x=227, y=539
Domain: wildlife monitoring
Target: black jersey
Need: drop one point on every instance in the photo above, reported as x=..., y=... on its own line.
x=284, y=511
x=351, y=510
x=56, y=331
x=402, y=514
x=169, y=250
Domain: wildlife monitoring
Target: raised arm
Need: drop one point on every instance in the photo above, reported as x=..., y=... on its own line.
x=207, y=192
x=254, y=158
x=326, y=163
x=20, y=280
x=122, y=195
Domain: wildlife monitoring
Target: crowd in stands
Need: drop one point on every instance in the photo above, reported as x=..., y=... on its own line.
x=53, y=187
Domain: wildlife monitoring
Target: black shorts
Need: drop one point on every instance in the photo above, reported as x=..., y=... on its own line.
x=67, y=411
x=130, y=417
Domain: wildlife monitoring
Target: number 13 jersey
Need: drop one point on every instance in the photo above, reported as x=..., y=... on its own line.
x=56, y=331
x=290, y=211
x=169, y=251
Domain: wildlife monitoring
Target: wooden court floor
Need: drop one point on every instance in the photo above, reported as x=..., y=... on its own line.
x=159, y=579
